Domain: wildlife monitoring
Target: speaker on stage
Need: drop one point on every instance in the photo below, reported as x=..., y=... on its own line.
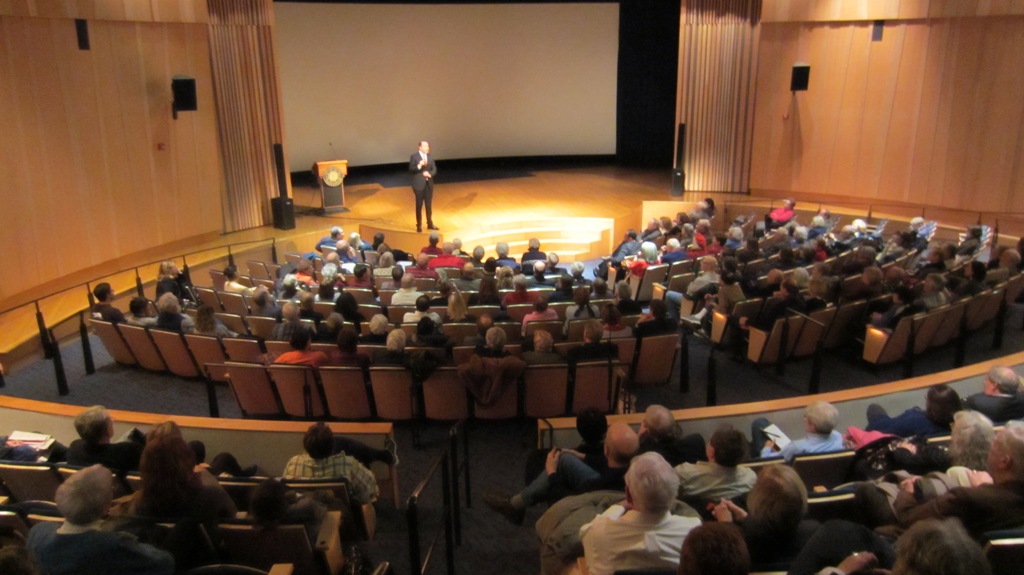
x=677, y=182
x=184, y=90
x=284, y=213
x=800, y=78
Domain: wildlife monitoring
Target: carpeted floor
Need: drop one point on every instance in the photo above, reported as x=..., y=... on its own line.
x=498, y=451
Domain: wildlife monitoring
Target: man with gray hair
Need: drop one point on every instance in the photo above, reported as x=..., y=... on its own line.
x=504, y=259
x=577, y=270
x=641, y=532
x=533, y=253
x=820, y=419
x=289, y=322
x=80, y=545
x=660, y=433
x=478, y=257
x=995, y=499
x=95, y=427
x=332, y=240
x=1000, y=399
x=468, y=281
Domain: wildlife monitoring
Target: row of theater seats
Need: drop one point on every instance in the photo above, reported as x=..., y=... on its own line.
x=278, y=391
x=29, y=491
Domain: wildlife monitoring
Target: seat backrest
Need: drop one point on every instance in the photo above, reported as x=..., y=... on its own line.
x=593, y=386
x=459, y=331
x=277, y=348
x=297, y=387
x=553, y=327
x=766, y=347
x=824, y=469
x=209, y=297
x=1005, y=554
x=396, y=313
x=927, y=327
x=30, y=482
x=575, y=329
x=393, y=392
x=233, y=303
x=174, y=351
x=142, y=347
x=261, y=326
x=347, y=393
x=254, y=391
x=113, y=341
x=262, y=548
x=218, y=278
x=516, y=312
x=233, y=322
x=560, y=307
x=655, y=359
x=544, y=390
x=652, y=275
x=831, y=505
x=882, y=347
x=813, y=331
x=950, y=326
x=362, y=295
x=258, y=270
x=243, y=349
x=444, y=395
x=680, y=282
x=839, y=332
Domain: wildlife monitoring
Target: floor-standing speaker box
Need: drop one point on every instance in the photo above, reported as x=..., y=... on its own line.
x=677, y=183
x=284, y=213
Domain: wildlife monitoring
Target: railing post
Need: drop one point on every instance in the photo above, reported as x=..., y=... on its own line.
x=448, y=504
x=453, y=449
x=412, y=524
x=997, y=336
x=138, y=284
x=44, y=338
x=814, y=387
x=273, y=249
x=960, y=350
x=684, y=362
x=712, y=386
x=780, y=366
x=908, y=356
x=58, y=366
x=231, y=256
x=83, y=334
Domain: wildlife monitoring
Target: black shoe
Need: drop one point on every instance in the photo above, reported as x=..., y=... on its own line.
x=418, y=228
x=503, y=505
x=433, y=227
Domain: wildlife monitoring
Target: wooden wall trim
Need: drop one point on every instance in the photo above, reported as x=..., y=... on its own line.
x=859, y=10
x=177, y=11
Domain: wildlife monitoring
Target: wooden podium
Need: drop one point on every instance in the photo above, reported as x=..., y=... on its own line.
x=331, y=176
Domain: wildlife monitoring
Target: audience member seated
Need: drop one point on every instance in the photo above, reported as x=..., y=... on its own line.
x=378, y=331
x=714, y=549
x=432, y=248
x=493, y=344
x=1000, y=398
x=104, y=307
x=973, y=282
x=169, y=315
x=659, y=433
x=639, y=533
x=444, y=290
x=541, y=312
x=773, y=525
x=788, y=299
x=171, y=486
x=421, y=269
x=428, y=334
x=407, y=294
x=140, y=313
x=1009, y=265
x=487, y=293
x=231, y=283
x=81, y=545
x=264, y=304
x=581, y=308
x=468, y=281
x=422, y=311
x=563, y=290
x=936, y=418
x=593, y=349
x=553, y=269
x=505, y=260
x=394, y=354
x=336, y=234
x=697, y=288
x=346, y=254
x=288, y=324
x=306, y=309
x=362, y=278
x=207, y=324
x=995, y=500
x=170, y=279
x=520, y=294
x=320, y=461
x=781, y=215
x=272, y=504
x=301, y=354
x=95, y=429
x=903, y=305
x=613, y=327
x=624, y=299
x=629, y=246
x=935, y=294
x=458, y=311
x=477, y=259
x=484, y=323
x=565, y=473
x=655, y=321
x=820, y=420
x=539, y=277
x=576, y=273
x=347, y=354
x=934, y=264
x=447, y=258
x=543, y=350
x=533, y=254
x=720, y=477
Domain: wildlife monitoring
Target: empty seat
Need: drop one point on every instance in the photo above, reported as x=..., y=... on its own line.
x=29, y=482
x=174, y=351
x=346, y=393
x=393, y=391
x=142, y=347
x=444, y=395
x=654, y=359
x=594, y=385
x=262, y=548
x=297, y=387
x=254, y=391
x=824, y=469
x=113, y=341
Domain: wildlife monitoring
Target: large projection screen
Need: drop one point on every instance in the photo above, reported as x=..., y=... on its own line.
x=477, y=81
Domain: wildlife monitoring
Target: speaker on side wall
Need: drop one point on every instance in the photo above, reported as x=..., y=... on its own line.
x=284, y=213
x=282, y=175
x=678, y=175
x=184, y=90
x=801, y=76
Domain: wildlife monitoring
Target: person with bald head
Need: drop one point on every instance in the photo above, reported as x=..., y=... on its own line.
x=641, y=532
x=422, y=268
x=565, y=473
x=469, y=280
x=660, y=433
x=407, y=294
x=1000, y=399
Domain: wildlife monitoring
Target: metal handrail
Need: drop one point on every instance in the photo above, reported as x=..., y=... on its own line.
x=452, y=526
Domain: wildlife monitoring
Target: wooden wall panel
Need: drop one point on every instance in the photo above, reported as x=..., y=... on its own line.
x=776, y=11
x=86, y=183
x=932, y=114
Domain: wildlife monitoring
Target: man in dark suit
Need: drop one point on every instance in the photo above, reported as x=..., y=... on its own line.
x=423, y=171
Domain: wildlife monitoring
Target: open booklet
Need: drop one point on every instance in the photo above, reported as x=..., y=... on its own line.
x=38, y=441
x=778, y=436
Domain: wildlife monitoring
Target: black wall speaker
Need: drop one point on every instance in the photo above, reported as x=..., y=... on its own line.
x=284, y=213
x=184, y=90
x=82, y=31
x=678, y=182
x=801, y=76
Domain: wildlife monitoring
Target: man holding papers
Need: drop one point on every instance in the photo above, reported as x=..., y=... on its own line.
x=820, y=419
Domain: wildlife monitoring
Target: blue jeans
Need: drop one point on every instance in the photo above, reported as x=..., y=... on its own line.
x=572, y=473
x=673, y=300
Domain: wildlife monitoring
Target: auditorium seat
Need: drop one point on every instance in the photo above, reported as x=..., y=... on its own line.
x=394, y=392
x=653, y=361
x=174, y=351
x=243, y=349
x=233, y=322
x=297, y=387
x=770, y=347
x=113, y=341
x=29, y=481
x=824, y=469
x=594, y=384
x=263, y=548
x=254, y=391
x=445, y=397
x=142, y=347
x=347, y=394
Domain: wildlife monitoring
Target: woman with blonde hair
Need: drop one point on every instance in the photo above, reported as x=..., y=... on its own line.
x=458, y=312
